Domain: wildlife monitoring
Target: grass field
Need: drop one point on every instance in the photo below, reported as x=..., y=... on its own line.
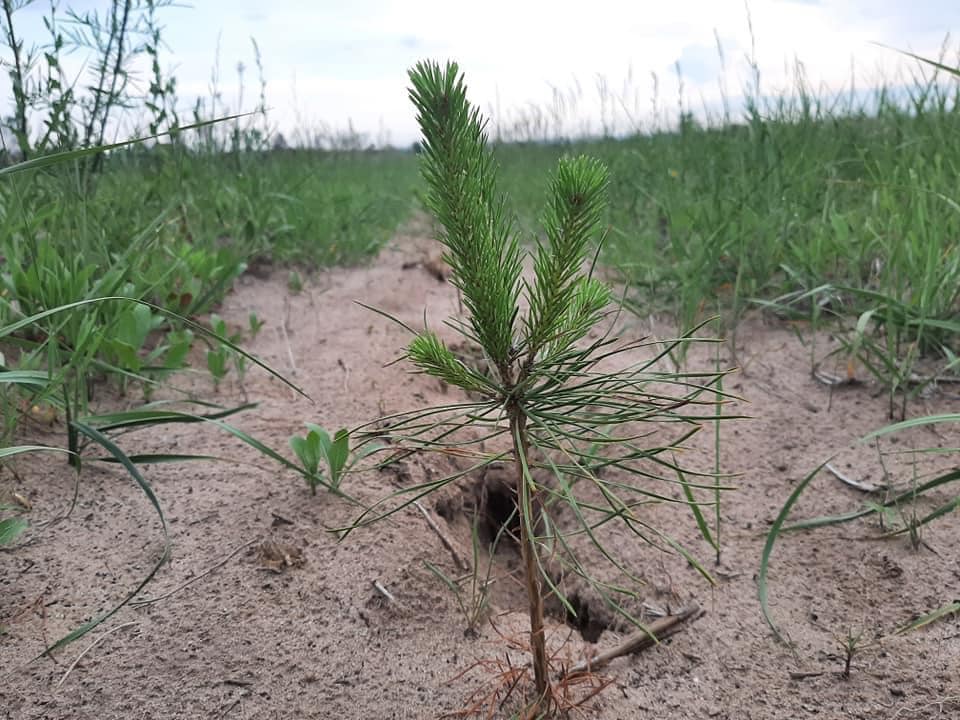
x=840, y=210
x=801, y=206
x=786, y=208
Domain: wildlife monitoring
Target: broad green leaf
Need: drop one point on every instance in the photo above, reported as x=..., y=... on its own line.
x=10, y=528
x=337, y=455
x=307, y=450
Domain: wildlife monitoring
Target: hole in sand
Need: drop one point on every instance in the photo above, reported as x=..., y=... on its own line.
x=590, y=626
x=497, y=498
x=498, y=505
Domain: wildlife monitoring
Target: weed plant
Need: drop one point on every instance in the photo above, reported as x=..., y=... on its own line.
x=897, y=517
x=112, y=252
x=472, y=590
x=55, y=358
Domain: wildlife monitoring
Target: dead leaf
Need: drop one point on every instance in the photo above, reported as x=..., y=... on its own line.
x=277, y=556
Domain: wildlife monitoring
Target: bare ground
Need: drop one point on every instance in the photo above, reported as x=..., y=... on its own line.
x=290, y=623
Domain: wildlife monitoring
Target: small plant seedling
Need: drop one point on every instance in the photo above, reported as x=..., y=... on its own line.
x=10, y=527
x=915, y=530
x=218, y=364
x=318, y=446
x=256, y=324
x=219, y=326
x=178, y=344
x=219, y=357
x=294, y=282
x=129, y=335
x=240, y=365
x=544, y=400
x=887, y=517
x=850, y=645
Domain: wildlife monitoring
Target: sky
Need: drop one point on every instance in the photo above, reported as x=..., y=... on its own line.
x=330, y=65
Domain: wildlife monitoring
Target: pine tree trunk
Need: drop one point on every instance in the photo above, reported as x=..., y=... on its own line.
x=528, y=550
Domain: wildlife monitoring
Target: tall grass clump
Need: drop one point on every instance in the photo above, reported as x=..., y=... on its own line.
x=816, y=205
x=51, y=363
x=902, y=506
x=548, y=401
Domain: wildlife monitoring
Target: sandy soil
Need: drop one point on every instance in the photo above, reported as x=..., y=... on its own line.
x=291, y=625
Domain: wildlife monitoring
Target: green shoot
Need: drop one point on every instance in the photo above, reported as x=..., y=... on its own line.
x=472, y=590
x=294, y=283
x=318, y=446
x=256, y=324
x=850, y=644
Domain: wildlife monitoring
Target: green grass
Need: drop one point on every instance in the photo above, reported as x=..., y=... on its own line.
x=309, y=207
x=817, y=212
x=176, y=228
x=813, y=209
x=785, y=203
x=313, y=208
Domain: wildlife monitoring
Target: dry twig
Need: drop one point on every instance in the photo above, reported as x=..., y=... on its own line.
x=862, y=486
x=378, y=586
x=804, y=674
x=657, y=630
x=447, y=543
x=138, y=603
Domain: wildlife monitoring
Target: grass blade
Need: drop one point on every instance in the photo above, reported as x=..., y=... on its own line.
x=68, y=155
x=102, y=440
x=138, y=418
x=19, y=449
x=912, y=423
x=159, y=458
x=933, y=616
x=762, y=591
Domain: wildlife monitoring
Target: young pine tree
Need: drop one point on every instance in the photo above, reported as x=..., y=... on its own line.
x=544, y=392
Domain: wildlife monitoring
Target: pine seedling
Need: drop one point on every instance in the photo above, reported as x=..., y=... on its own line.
x=544, y=399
